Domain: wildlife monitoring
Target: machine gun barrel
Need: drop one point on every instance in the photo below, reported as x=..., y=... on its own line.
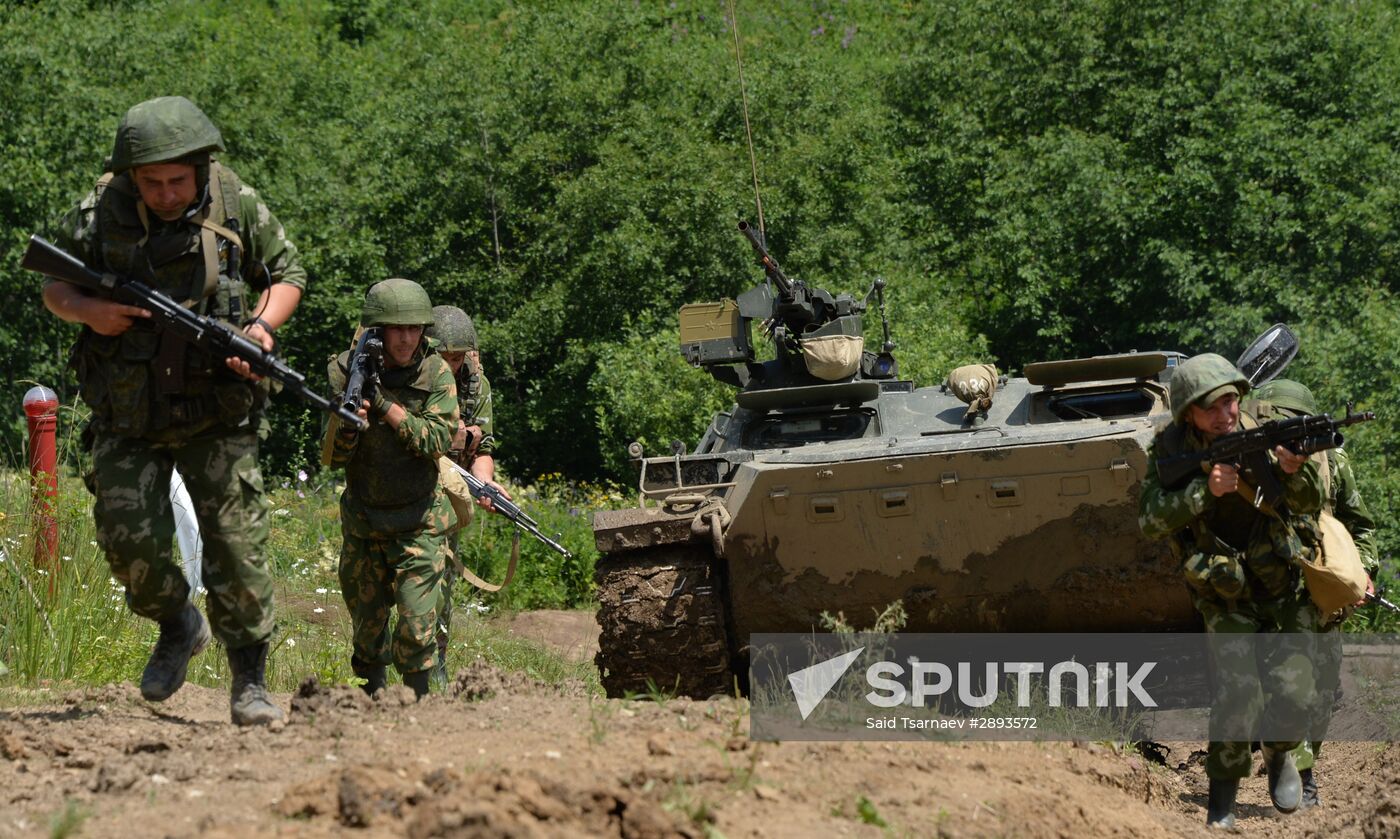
x=507, y=508
x=214, y=337
x=770, y=265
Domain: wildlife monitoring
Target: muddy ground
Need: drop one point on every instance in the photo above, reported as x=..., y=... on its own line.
x=503, y=756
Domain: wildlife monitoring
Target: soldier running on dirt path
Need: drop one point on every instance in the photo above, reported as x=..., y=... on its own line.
x=1241, y=563
x=167, y=213
x=394, y=517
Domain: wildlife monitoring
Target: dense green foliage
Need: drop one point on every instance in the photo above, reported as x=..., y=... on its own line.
x=1035, y=180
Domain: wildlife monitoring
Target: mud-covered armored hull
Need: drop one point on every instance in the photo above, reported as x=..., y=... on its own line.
x=1023, y=518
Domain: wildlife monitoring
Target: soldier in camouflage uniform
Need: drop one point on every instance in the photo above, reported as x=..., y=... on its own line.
x=394, y=517
x=1343, y=500
x=473, y=446
x=168, y=214
x=1241, y=562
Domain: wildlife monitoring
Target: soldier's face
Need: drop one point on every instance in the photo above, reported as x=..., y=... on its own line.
x=400, y=342
x=166, y=188
x=1220, y=417
x=454, y=360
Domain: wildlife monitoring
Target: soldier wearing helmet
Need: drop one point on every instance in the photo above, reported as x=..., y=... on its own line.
x=1342, y=499
x=1241, y=562
x=170, y=215
x=394, y=517
x=474, y=445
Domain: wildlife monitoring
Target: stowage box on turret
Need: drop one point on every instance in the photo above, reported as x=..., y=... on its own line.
x=832, y=485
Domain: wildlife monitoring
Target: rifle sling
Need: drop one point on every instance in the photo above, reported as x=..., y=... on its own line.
x=510, y=569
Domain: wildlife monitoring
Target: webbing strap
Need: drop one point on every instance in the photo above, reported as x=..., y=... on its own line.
x=510, y=569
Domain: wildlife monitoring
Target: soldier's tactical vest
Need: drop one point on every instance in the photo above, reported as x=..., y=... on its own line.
x=468, y=391
x=145, y=383
x=1267, y=546
x=393, y=487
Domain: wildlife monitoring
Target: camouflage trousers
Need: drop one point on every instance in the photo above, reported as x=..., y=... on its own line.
x=1328, y=663
x=378, y=575
x=130, y=482
x=1266, y=686
x=444, y=606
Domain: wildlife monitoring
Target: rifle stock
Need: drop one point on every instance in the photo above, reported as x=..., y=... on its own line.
x=214, y=337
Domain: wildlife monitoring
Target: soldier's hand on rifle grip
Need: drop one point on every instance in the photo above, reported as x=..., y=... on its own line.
x=1288, y=461
x=1224, y=479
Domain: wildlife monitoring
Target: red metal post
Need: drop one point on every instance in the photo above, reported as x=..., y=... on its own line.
x=41, y=408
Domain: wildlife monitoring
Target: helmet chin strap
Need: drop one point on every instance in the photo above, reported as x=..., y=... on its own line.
x=200, y=203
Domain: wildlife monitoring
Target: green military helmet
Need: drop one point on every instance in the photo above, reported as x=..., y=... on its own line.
x=453, y=329
x=396, y=302
x=1289, y=395
x=163, y=130
x=1202, y=379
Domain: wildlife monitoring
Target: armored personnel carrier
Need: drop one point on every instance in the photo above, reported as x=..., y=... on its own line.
x=832, y=485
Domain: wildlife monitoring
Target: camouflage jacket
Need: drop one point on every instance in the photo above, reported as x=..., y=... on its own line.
x=1198, y=523
x=1345, y=502
x=391, y=475
x=474, y=401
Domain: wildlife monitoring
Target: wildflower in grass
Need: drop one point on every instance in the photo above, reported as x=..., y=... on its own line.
x=320, y=591
x=301, y=476
x=291, y=642
x=318, y=610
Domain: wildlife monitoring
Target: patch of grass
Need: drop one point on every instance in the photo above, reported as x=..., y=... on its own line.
x=868, y=814
x=68, y=821
x=482, y=638
x=684, y=799
x=51, y=620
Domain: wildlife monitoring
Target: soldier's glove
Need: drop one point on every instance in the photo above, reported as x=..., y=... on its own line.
x=382, y=403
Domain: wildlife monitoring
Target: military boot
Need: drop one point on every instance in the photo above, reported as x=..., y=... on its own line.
x=182, y=637
x=373, y=674
x=418, y=680
x=438, y=673
x=248, y=700
x=1220, y=809
x=1285, y=787
x=1310, y=798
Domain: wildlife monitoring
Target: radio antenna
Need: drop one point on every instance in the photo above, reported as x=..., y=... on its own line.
x=748, y=132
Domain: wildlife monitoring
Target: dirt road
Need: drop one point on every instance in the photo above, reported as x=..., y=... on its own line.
x=508, y=757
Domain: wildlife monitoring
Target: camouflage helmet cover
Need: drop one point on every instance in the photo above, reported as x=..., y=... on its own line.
x=453, y=329
x=1202, y=379
x=396, y=302
x=161, y=131
x=1289, y=395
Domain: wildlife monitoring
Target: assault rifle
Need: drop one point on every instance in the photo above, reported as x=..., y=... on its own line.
x=1249, y=449
x=1376, y=598
x=214, y=337
x=507, y=508
x=366, y=363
